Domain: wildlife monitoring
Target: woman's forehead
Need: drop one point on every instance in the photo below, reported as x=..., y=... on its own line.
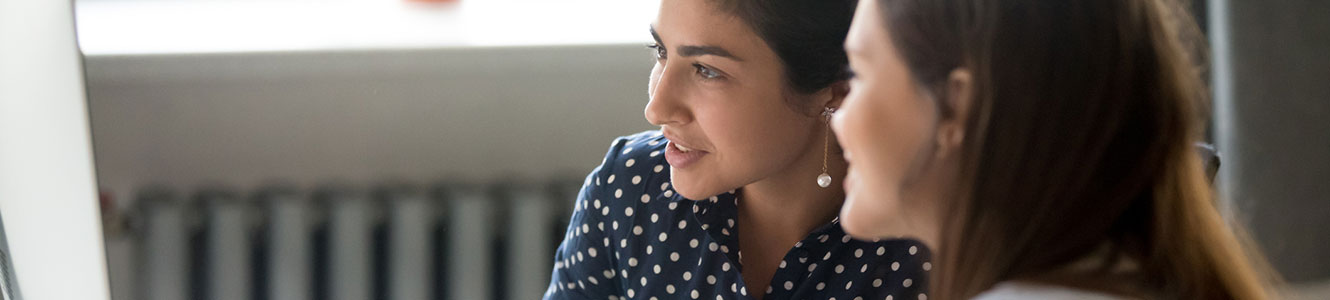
x=700, y=23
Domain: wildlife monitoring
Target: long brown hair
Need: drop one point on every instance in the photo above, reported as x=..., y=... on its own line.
x=1079, y=143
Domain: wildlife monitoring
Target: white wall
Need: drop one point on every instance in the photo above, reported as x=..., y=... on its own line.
x=307, y=117
x=245, y=119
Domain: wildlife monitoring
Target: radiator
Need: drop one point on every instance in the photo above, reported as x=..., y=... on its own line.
x=397, y=241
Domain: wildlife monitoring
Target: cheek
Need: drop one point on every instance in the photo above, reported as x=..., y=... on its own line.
x=755, y=134
x=903, y=122
x=744, y=136
x=885, y=129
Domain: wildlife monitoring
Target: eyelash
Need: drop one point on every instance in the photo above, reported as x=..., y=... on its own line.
x=703, y=71
x=659, y=51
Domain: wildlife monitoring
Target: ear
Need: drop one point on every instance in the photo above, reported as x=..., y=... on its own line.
x=957, y=104
x=833, y=96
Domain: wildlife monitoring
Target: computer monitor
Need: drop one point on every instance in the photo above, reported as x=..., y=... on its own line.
x=51, y=226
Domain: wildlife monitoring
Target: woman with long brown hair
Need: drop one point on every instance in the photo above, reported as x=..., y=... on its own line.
x=1043, y=149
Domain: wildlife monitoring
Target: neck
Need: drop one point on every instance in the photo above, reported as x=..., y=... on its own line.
x=791, y=203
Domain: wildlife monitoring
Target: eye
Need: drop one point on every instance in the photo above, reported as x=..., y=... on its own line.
x=658, y=49
x=706, y=72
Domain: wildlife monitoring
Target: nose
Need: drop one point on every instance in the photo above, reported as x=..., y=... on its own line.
x=665, y=106
x=837, y=122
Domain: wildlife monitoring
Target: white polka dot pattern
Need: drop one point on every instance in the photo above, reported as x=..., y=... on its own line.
x=669, y=247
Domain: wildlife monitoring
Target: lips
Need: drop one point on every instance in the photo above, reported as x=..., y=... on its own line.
x=681, y=156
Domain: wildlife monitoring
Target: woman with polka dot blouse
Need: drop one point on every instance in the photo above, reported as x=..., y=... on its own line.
x=736, y=196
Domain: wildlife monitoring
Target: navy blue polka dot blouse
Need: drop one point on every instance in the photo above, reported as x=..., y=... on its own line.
x=632, y=237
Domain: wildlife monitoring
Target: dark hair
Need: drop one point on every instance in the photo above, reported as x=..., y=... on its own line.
x=807, y=35
x=1079, y=135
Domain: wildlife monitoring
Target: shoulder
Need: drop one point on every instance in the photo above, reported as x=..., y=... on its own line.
x=1020, y=290
x=642, y=146
x=634, y=168
x=638, y=156
x=606, y=209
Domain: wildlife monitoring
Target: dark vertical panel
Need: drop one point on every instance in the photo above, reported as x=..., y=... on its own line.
x=1272, y=103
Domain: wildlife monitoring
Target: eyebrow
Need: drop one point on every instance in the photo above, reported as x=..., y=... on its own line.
x=695, y=50
x=689, y=50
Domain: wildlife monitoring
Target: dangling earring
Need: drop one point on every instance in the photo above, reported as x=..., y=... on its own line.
x=824, y=180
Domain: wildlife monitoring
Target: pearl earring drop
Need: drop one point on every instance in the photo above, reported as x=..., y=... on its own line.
x=824, y=180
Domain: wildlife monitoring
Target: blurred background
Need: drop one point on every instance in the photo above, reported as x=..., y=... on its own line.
x=351, y=149
x=429, y=149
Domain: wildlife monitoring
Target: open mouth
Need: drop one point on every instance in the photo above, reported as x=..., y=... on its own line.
x=680, y=156
x=682, y=148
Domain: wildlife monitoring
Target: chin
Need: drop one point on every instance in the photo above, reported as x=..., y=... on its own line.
x=854, y=228
x=691, y=192
x=864, y=227
x=692, y=188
